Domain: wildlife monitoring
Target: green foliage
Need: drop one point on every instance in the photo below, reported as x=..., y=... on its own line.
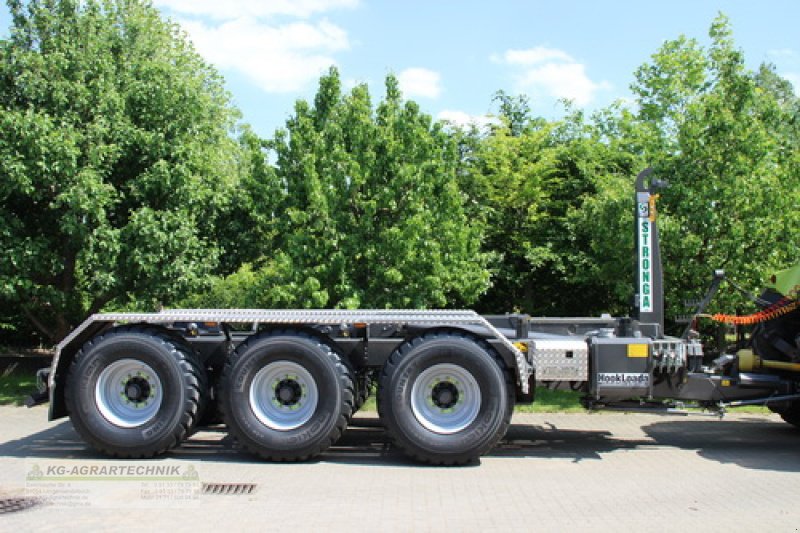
x=124, y=185
x=734, y=195
x=114, y=157
x=535, y=178
x=557, y=196
x=726, y=140
x=247, y=226
x=368, y=210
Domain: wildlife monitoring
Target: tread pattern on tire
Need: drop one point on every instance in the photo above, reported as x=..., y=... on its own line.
x=401, y=352
x=348, y=397
x=194, y=376
x=790, y=414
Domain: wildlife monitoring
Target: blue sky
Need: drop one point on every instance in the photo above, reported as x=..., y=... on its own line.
x=452, y=56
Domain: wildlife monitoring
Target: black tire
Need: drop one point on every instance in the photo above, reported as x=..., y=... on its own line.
x=789, y=411
x=466, y=425
x=206, y=405
x=292, y=428
x=111, y=425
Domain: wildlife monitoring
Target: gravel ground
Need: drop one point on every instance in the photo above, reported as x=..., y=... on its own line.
x=553, y=472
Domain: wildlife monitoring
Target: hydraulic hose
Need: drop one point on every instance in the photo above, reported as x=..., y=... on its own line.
x=785, y=305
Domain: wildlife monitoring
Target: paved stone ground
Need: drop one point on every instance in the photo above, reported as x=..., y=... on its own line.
x=553, y=472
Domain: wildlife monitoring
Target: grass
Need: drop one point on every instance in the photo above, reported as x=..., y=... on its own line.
x=15, y=385
x=563, y=401
x=18, y=382
x=553, y=401
x=547, y=401
x=371, y=405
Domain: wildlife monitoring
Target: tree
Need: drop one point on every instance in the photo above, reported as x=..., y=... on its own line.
x=114, y=160
x=734, y=198
x=532, y=177
x=369, y=213
x=508, y=173
x=247, y=226
x=515, y=112
x=726, y=140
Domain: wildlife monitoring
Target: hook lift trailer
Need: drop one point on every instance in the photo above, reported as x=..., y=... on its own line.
x=286, y=382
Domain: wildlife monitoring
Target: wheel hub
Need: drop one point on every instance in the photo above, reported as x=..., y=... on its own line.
x=445, y=395
x=283, y=395
x=128, y=393
x=445, y=398
x=288, y=392
x=137, y=389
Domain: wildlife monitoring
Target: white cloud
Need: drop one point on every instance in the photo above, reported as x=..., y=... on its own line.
x=465, y=120
x=277, y=58
x=551, y=72
x=243, y=36
x=562, y=80
x=420, y=82
x=533, y=56
x=234, y=9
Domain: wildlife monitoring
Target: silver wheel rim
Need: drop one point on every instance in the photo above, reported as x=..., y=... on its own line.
x=283, y=395
x=445, y=398
x=128, y=393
